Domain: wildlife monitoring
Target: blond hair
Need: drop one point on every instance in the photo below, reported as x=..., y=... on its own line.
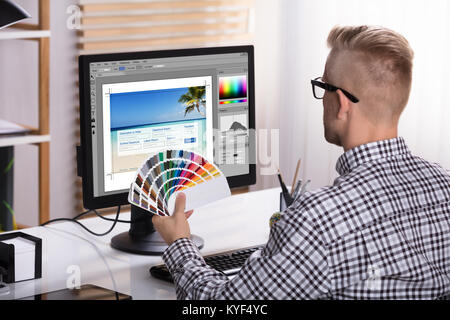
x=387, y=58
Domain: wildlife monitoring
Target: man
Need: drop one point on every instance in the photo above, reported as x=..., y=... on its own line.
x=381, y=231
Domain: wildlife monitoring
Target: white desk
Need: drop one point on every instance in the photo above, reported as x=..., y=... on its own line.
x=239, y=221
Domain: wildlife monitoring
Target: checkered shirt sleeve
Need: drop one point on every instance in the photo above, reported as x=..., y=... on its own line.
x=292, y=265
x=381, y=231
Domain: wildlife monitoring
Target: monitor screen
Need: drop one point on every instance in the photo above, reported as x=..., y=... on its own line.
x=138, y=104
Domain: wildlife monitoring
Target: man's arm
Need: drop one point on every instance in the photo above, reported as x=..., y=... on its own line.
x=291, y=266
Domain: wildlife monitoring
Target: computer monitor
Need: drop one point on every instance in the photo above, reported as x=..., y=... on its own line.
x=132, y=106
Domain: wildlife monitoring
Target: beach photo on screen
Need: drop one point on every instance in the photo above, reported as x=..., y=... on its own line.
x=147, y=122
x=145, y=117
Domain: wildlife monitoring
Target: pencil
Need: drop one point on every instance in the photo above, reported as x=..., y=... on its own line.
x=295, y=176
x=287, y=197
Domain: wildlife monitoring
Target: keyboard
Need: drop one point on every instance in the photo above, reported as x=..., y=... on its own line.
x=227, y=262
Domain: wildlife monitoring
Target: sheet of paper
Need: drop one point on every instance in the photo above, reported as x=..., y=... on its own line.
x=202, y=194
x=24, y=255
x=7, y=127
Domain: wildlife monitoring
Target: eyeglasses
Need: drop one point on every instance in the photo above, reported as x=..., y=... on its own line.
x=319, y=88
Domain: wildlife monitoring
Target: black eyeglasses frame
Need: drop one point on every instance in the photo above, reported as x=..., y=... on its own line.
x=331, y=88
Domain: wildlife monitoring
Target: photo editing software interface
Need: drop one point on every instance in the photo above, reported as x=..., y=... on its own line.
x=141, y=107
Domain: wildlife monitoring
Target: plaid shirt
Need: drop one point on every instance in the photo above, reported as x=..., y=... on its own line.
x=381, y=231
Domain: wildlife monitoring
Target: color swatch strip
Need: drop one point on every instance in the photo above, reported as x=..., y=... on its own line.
x=163, y=175
x=232, y=101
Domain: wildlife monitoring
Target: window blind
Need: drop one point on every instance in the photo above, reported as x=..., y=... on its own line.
x=108, y=26
x=111, y=26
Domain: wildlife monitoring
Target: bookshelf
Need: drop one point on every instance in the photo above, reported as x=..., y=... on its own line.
x=25, y=139
x=40, y=136
x=13, y=33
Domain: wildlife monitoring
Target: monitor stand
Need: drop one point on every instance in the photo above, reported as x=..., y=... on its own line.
x=142, y=238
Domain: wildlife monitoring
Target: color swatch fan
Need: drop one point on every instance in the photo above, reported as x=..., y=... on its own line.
x=165, y=174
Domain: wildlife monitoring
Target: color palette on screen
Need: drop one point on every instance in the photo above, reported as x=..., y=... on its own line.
x=163, y=175
x=232, y=101
x=233, y=87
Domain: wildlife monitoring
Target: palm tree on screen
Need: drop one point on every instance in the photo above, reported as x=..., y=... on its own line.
x=193, y=100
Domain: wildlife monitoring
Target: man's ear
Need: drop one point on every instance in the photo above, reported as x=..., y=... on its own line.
x=344, y=105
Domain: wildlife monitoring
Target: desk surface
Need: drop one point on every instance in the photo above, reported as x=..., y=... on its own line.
x=238, y=221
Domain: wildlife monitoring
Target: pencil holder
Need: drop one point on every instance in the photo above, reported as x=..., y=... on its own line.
x=20, y=257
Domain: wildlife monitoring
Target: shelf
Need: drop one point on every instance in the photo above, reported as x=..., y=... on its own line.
x=38, y=32
x=11, y=33
x=8, y=141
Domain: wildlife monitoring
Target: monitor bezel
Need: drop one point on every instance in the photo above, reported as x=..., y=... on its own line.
x=96, y=202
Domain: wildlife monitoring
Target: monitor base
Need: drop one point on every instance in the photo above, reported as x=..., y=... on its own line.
x=142, y=238
x=151, y=244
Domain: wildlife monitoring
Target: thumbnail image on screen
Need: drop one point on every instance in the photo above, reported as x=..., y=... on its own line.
x=144, y=122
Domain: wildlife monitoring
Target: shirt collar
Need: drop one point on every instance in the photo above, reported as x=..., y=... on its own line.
x=370, y=152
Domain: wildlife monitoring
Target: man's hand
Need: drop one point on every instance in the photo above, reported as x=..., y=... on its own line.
x=176, y=226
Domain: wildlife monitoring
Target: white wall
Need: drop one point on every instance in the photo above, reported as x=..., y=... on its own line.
x=268, y=81
x=300, y=53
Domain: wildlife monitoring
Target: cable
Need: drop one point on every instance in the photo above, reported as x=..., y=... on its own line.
x=66, y=219
x=122, y=221
x=83, y=226
x=81, y=214
x=89, y=211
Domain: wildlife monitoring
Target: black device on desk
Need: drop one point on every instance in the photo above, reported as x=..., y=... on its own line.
x=227, y=262
x=122, y=122
x=85, y=292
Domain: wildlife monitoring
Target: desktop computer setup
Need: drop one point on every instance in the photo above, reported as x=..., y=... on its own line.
x=136, y=104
